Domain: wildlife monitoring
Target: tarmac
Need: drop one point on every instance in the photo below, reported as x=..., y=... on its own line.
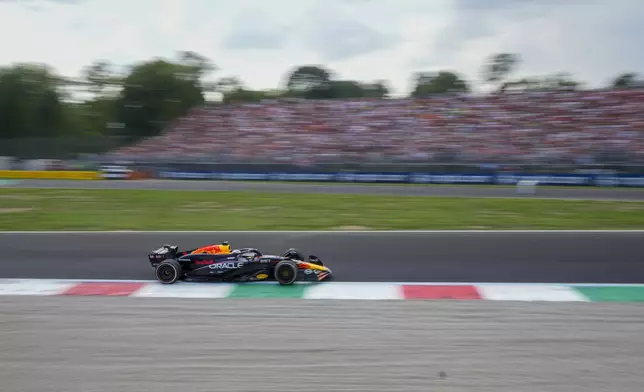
x=433, y=256
x=76, y=344
x=580, y=193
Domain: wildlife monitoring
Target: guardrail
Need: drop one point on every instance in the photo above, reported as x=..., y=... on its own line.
x=572, y=179
x=601, y=180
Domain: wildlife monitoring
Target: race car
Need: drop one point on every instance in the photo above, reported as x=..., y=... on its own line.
x=219, y=262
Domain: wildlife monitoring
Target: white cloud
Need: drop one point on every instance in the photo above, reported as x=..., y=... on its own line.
x=255, y=29
x=260, y=41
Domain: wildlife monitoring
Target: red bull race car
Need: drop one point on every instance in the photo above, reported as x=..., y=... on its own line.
x=220, y=262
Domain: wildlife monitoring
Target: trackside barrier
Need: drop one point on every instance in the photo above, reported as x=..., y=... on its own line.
x=115, y=172
x=49, y=175
x=140, y=175
x=599, y=180
x=527, y=187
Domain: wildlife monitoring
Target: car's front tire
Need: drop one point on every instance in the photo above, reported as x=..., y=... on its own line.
x=168, y=272
x=286, y=272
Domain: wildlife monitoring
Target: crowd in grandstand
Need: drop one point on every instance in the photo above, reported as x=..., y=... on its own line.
x=540, y=126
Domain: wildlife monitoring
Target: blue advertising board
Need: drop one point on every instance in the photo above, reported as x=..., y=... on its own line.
x=421, y=178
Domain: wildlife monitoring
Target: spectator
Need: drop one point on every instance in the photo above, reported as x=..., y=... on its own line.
x=525, y=126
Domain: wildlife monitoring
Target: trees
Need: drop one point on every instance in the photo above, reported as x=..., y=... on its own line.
x=345, y=89
x=377, y=89
x=233, y=90
x=30, y=102
x=228, y=85
x=195, y=65
x=94, y=115
x=498, y=67
x=33, y=99
x=557, y=81
x=307, y=78
x=311, y=82
x=441, y=82
x=626, y=80
x=156, y=92
x=100, y=75
x=316, y=82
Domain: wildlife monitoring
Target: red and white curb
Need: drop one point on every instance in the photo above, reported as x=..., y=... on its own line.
x=328, y=290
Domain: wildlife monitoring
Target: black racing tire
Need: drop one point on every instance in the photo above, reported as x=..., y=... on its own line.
x=169, y=271
x=286, y=272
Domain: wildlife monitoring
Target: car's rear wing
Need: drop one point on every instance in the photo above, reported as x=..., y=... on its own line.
x=163, y=253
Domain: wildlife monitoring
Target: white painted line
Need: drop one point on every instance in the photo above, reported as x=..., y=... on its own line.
x=501, y=292
x=34, y=286
x=363, y=291
x=183, y=290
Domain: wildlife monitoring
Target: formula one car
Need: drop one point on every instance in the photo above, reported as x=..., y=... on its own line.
x=219, y=262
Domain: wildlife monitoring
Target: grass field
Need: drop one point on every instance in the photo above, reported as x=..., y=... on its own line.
x=56, y=209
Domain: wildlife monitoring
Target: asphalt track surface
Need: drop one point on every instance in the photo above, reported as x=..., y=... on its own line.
x=75, y=344
x=589, y=193
x=533, y=257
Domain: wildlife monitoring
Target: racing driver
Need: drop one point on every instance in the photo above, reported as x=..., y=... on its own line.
x=214, y=249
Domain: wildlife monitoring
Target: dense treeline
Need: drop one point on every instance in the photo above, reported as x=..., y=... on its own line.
x=35, y=102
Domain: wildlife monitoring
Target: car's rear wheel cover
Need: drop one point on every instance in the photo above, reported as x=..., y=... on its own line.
x=166, y=273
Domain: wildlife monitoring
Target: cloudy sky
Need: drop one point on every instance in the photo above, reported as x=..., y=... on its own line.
x=259, y=40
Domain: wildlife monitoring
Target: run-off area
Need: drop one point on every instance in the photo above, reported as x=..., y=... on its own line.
x=80, y=344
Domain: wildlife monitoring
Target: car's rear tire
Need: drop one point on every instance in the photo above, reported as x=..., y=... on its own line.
x=286, y=272
x=169, y=271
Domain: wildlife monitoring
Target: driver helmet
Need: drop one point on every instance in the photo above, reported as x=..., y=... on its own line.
x=225, y=247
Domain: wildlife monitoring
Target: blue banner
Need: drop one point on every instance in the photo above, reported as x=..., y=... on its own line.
x=602, y=180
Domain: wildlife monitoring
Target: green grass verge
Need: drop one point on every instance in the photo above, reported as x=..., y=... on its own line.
x=57, y=209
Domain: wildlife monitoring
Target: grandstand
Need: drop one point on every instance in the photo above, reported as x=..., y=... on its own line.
x=542, y=127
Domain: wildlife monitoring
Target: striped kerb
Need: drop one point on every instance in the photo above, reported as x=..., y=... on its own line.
x=329, y=290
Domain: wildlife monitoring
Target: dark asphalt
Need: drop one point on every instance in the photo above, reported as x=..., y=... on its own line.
x=590, y=193
x=555, y=257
